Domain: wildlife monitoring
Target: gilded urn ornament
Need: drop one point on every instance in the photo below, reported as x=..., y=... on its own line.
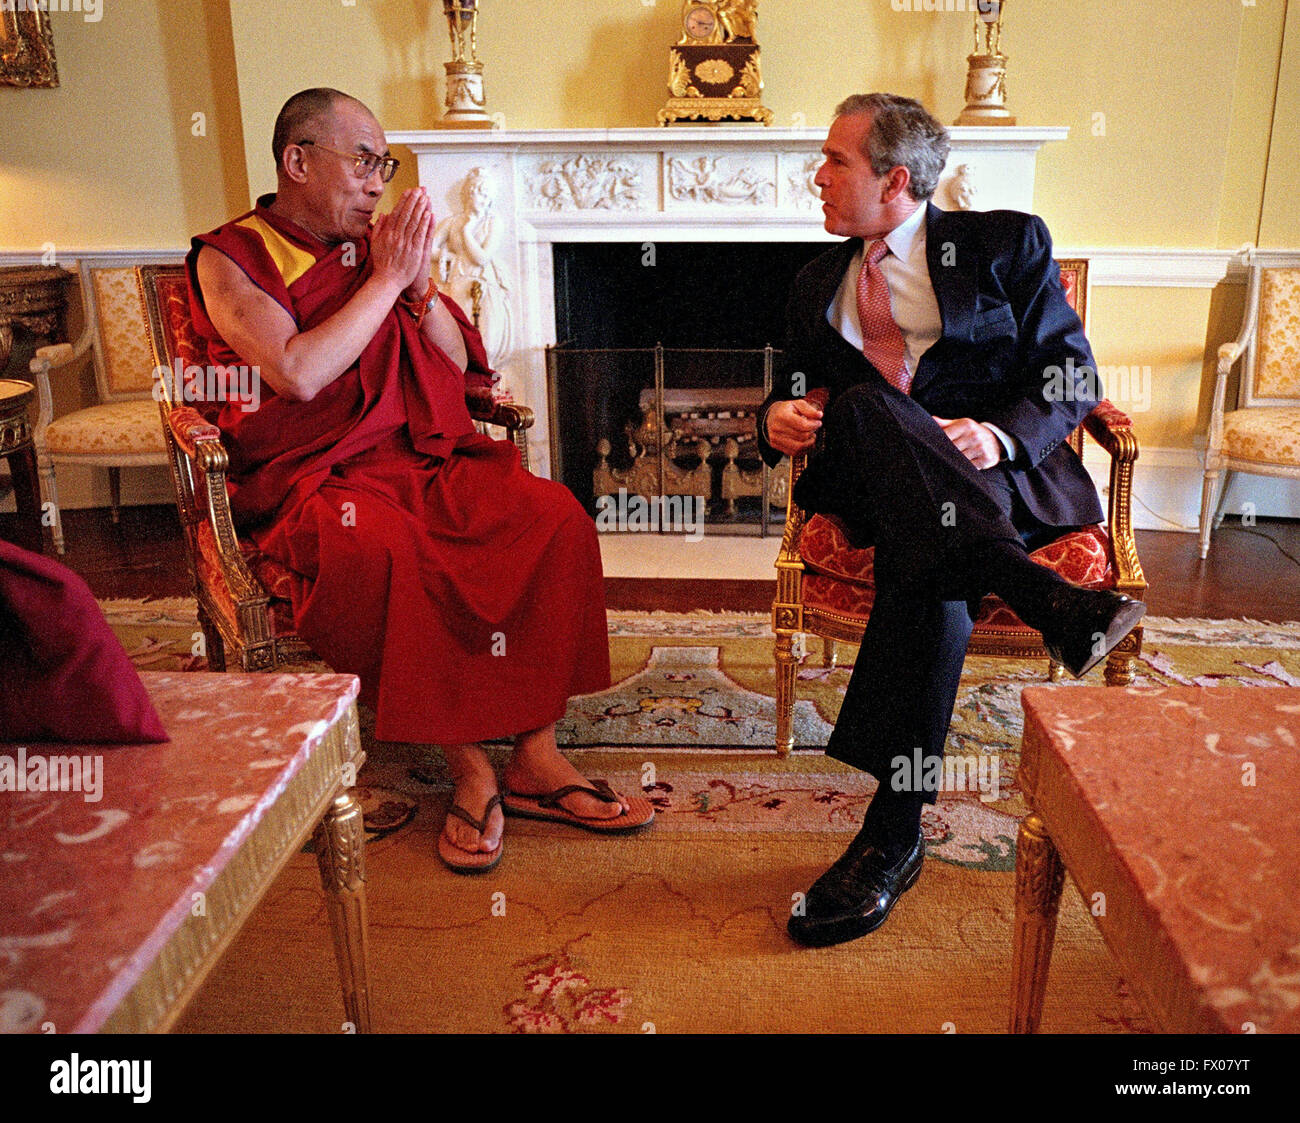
x=986, y=74
x=466, y=103
x=713, y=69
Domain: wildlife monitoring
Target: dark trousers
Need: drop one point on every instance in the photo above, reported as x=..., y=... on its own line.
x=941, y=529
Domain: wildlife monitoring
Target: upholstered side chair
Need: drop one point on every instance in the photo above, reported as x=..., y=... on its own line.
x=1262, y=435
x=243, y=595
x=825, y=587
x=121, y=429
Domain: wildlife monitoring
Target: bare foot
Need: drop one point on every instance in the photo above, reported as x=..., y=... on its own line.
x=476, y=784
x=536, y=768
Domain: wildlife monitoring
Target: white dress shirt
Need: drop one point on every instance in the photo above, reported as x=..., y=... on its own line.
x=911, y=295
x=911, y=299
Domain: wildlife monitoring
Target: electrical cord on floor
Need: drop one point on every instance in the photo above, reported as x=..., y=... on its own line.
x=1223, y=526
x=1260, y=534
x=1172, y=522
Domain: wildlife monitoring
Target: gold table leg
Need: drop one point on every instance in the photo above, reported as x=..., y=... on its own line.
x=785, y=674
x=341, y=854
x=1039, y=877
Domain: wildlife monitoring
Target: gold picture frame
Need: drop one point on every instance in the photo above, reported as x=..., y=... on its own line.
x=26, y=47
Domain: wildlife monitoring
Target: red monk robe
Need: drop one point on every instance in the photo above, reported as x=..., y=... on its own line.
x=466, y=593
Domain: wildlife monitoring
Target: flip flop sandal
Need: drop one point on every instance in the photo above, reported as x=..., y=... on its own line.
x=462, y=861
x=547, y=807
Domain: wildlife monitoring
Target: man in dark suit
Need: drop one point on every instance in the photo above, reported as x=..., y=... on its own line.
x=934, y=370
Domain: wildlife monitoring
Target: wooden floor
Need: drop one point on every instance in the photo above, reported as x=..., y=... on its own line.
x=1251, y=572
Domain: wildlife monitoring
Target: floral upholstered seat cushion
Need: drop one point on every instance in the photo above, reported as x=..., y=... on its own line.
x=114, y=427
x=1270, y=435
x=840, y=578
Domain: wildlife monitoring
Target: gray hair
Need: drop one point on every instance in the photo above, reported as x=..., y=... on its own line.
x=903, y=132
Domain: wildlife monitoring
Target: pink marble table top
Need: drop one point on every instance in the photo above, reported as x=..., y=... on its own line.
x=1188, y=798
x=93, y=884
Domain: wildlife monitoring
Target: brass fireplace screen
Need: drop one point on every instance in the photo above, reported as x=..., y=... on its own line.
x=660, y=422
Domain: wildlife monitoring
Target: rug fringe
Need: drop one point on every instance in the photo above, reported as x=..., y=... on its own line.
x=634, y=614
x=1218, y=622
x=186, y=606
x=169, y=605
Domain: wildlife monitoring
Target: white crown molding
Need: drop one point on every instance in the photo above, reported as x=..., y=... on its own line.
x=1156, y=266
x=1025, y=137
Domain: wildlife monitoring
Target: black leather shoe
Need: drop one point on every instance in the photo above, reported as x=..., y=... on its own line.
x=1086, y=624
x=855, y=895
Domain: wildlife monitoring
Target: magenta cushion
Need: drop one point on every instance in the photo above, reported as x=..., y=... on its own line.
x=63, y=674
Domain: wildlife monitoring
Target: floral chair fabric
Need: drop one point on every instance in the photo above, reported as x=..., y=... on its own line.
x=1262, y=435
x=841, y=578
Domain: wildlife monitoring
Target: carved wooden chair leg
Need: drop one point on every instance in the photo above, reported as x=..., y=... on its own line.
x=51, y=492
x=1121, y=662
x=785, y=669
x=341, y=854
x=1207, y=510
x=1039, y=877
x=115, y=493
x=1218, y=515
x=216, y=648
x=1055, y=672
x=829, y=654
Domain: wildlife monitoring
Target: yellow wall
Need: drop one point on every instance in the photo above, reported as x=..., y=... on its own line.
x=1169, y=400
x=1170, y=132
x=109, y=157
x=1171, y=107
x=1280, y=222
x=1185, y=119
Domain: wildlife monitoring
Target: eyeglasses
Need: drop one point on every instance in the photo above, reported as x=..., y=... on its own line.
x=365, y=163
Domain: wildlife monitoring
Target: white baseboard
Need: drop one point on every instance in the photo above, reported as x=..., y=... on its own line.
x=88, y=487
x=1166, y=496
x=1167, y=489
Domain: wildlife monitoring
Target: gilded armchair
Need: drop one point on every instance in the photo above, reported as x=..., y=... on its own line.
x=1262, y=435
x=243, y=595
x=826, y=587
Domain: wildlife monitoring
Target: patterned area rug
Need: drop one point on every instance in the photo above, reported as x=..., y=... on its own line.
x=703, y=684
x=681, y=929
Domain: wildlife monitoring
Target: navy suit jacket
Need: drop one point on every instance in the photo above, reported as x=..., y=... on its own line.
x=1012, y=351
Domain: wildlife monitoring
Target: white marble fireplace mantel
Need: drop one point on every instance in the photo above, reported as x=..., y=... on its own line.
x=698, y=183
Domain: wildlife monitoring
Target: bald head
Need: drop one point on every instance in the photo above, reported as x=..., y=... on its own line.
x=306, y=114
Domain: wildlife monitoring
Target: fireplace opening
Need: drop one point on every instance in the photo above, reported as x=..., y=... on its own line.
x=666, y=353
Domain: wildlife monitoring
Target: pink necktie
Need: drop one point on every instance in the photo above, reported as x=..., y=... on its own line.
x=882, y=342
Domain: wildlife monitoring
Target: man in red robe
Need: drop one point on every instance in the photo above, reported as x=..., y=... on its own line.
x=466, y=593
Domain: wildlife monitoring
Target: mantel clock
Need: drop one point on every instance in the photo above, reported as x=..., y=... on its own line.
x=713, y=69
